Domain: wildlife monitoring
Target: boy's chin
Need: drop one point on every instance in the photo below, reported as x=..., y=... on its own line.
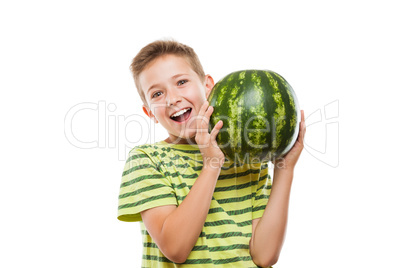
x=182, y=139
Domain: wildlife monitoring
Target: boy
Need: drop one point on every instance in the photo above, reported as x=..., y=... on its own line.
x=195, y=208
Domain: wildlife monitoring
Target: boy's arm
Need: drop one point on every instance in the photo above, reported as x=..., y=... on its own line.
x=268, y=232
x=176, y=229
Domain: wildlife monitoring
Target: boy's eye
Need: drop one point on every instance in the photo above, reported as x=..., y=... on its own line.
x=156, y=94
x=181, y=82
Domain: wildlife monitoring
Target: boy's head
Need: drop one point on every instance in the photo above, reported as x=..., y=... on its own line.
x=153, y=51
x=172, y=85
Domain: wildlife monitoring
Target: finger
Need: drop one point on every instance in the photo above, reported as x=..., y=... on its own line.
x=208, y=113
x=302, y=129
x=201, y=113
x=204, y=121
x=215, y=130
x=204, y=108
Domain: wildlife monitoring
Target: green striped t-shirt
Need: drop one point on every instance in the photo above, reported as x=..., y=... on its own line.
x=163, y=174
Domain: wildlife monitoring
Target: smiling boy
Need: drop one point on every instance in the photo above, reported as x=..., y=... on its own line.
x=170, y=87
x=195, y=208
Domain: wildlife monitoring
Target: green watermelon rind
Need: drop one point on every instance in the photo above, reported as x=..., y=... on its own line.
x=246, y=135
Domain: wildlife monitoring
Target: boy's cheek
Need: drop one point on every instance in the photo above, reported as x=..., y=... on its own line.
x=192, y=124
x=158, y=111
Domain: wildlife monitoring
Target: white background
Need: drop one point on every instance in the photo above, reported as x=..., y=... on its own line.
x=59, y=200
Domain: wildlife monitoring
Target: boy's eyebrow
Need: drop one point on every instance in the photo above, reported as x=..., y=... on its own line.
x=156, y=85
x=177, y=75
x=151, y=87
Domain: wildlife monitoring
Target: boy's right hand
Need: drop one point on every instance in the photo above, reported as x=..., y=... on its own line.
x=212, y=155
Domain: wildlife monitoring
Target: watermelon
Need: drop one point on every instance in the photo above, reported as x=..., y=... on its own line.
x=260, y=115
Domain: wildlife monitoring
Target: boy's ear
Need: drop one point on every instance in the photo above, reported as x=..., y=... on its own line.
x=149, y=113
x=209, y=84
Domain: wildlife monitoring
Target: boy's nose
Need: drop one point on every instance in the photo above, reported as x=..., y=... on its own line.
x=173, y=99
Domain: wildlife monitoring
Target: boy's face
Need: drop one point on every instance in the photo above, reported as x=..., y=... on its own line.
x=174, y=93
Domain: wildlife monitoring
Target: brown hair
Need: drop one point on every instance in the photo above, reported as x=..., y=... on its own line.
x=160, y=48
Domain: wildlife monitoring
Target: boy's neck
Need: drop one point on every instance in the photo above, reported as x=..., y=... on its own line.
x=190, y=141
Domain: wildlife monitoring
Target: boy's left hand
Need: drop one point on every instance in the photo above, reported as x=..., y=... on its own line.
x=290, y=159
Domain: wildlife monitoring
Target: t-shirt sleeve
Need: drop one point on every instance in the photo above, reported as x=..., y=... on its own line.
x=262, y=192
x=143, y=186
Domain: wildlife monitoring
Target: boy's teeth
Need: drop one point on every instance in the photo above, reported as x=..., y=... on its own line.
x=180, y=112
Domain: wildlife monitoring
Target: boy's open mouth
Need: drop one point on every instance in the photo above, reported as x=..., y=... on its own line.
x=181, y=115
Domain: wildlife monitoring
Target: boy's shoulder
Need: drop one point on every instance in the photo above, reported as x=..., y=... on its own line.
x=163, y=156
x=148, y=147
x=162, y=149
x=163, y=145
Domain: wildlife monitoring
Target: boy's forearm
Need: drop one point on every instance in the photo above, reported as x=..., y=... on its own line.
x=269, y=234
x=182, y=227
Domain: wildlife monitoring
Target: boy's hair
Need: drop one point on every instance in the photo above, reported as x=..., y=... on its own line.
x=160, y=48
